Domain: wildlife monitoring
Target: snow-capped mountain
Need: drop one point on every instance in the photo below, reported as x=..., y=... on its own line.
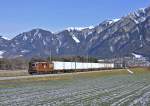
x=125, y=36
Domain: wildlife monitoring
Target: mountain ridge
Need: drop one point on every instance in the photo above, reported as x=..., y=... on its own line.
x=109, y=39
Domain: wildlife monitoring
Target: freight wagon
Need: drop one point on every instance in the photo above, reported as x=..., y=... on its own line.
x=57, y=66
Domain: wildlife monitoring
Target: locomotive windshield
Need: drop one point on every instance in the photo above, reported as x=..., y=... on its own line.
x=33, y=65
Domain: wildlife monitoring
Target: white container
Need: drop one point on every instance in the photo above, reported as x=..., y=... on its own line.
x=79, y=65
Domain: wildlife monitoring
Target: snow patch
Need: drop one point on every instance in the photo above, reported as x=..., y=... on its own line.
x=105, y=37
x=57, y=50
x=31, y=40
x=75, y=39
x=44, y=42
x=142, y=9
x=25, y=37
x=39, y=35
x=137, y=55
x=79, y=28
x=139, y=12
x=5, y=38
x=117, y=19
x=130, y=71
x=24, y=51
x=37, y=31
x=113, y=20
x=142, y=19
x=137, y=29
x=137, y=18
x=89, y=32
x=137, y=22
x=90, y=27
x=111, y=49
x=1, y=54
x=60, y=42
x=141, y=45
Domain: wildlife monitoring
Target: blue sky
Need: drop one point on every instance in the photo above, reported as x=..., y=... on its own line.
x=17, y=16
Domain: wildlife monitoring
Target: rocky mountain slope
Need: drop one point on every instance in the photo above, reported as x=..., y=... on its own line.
x=111, y=38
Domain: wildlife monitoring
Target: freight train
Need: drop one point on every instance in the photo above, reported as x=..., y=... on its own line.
x=41, y=67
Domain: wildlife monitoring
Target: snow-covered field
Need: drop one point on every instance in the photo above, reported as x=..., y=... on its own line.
x=110, y=90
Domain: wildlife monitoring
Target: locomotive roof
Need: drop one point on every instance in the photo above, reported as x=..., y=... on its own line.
x=38, y=60
x=41, y=62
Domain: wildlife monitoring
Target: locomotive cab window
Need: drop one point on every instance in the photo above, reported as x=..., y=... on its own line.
x=33, y=65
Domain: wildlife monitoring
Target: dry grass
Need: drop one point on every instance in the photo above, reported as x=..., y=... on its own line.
x=7, y=73
x=140, y=70
x=92, y=74
x=102, y=73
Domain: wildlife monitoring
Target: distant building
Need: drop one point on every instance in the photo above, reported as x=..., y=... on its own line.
x=138, y=61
